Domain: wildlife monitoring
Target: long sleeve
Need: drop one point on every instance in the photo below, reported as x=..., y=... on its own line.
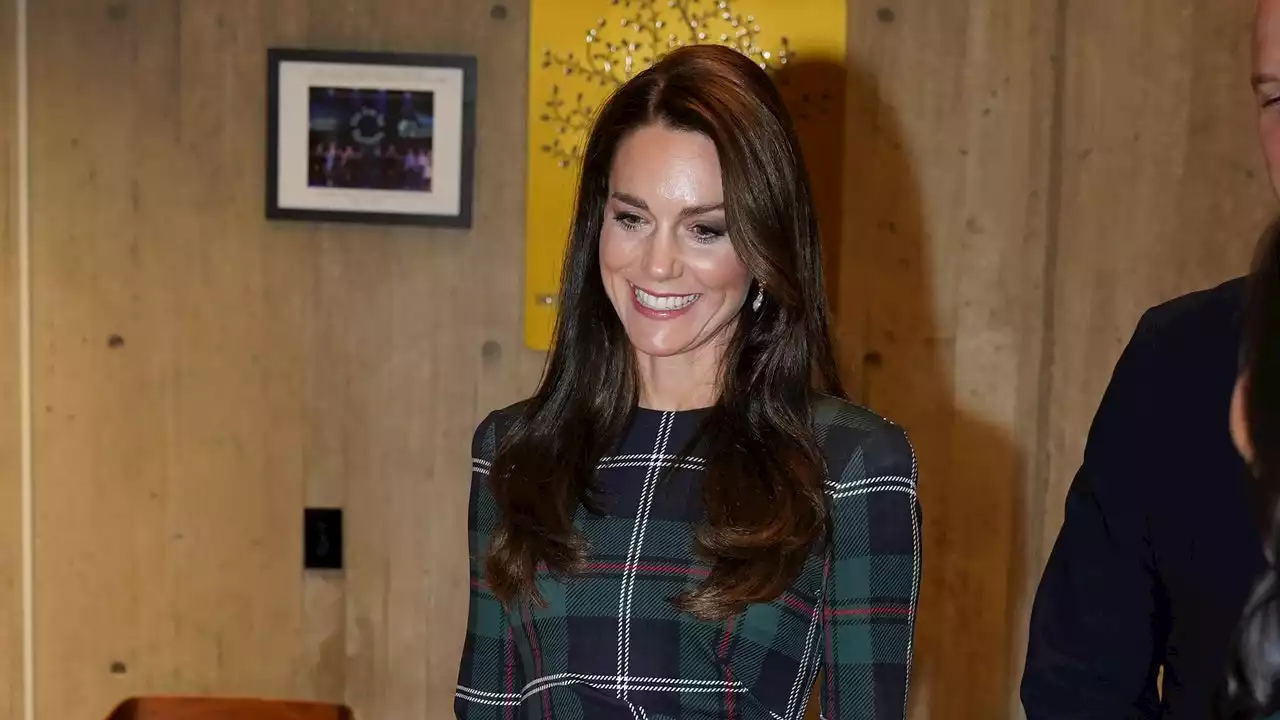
x=490, y=677
x=872, y=579
x=1096, y=634
x=1093, y=643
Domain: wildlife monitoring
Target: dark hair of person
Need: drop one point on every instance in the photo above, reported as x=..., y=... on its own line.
x=763, y=488
x=1252, y=687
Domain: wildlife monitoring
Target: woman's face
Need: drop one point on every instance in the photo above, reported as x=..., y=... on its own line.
x=666, y=259
x=1239, y=420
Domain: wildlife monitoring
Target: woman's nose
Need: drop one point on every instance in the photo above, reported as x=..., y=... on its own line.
x=662, y=261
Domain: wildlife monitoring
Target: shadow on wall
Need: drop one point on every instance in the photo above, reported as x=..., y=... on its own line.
x=814, y=91
x=898, y=360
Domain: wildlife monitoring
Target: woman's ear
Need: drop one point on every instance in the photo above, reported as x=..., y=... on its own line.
x=1239, y=420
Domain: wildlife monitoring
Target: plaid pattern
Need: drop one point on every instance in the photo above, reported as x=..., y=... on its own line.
x=610, y=645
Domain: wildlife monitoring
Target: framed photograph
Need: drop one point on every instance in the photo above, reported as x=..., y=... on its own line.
x=370, y=137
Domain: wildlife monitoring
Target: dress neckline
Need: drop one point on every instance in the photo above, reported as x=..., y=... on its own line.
x=641, y=410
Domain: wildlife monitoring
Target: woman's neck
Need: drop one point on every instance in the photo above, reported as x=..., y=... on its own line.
x=681, y=382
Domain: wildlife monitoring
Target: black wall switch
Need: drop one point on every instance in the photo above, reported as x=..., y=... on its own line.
x=322, y=538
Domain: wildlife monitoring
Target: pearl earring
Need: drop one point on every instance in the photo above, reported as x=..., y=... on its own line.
x=755, y=304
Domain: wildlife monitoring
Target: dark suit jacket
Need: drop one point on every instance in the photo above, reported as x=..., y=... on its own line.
x=1159, y=547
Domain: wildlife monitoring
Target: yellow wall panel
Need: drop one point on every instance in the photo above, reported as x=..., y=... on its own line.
x=581, y=50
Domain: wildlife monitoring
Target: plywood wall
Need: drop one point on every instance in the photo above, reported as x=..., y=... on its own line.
x=1024, y=178
x=1008, y=203
x=941, y=302
x=10, y=441
x=1163, y=189
x=202, y=374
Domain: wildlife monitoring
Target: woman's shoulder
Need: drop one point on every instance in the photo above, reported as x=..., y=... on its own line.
x=861, y=445
x=490, y=430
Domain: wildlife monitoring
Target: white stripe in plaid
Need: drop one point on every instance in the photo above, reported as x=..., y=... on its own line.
x=848, y=618
x=633, y=552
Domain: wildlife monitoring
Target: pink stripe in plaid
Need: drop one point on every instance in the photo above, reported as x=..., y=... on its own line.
x=527, y=619
x=509, y=685
x=904, y=611
x=830, y=649
x=728, y=669
x=795, y=604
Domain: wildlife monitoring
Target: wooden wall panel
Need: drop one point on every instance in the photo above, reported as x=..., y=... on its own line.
x=203, y=374
x=1163, y=190
x=11, y=635
x=1012, y=203
x=169, y=362
x=940, y=303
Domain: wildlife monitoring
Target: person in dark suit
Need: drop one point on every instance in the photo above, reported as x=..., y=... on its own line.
x=1159, y=546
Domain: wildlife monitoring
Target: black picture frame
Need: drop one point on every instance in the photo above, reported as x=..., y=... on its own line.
x=311, y=77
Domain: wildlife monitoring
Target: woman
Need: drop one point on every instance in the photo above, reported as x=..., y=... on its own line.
x=1252, y=689
x=686, y=521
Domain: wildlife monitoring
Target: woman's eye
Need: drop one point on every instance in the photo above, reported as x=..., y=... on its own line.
x=707, y=233
x=628, y=221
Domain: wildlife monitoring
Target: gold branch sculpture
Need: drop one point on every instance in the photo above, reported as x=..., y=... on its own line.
x=614, y=52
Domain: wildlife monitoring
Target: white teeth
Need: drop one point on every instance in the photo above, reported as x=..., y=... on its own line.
x=671, y=302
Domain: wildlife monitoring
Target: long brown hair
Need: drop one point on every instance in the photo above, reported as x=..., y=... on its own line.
x=763, y=488
x=1252, y=687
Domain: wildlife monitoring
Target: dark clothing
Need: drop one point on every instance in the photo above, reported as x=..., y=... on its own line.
x=1159, y=547
x=610, y=644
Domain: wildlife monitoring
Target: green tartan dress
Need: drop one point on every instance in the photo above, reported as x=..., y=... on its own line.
x=609, y=643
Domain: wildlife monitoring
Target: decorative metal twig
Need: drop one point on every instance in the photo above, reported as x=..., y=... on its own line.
x=649, y=28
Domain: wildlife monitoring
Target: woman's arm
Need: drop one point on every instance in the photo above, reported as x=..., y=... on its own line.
x=489, y=675
x=872, y=574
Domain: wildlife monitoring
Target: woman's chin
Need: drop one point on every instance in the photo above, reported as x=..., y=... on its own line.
x=657, y=347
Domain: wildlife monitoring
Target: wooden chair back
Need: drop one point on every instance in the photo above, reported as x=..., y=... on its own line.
x=214, y=708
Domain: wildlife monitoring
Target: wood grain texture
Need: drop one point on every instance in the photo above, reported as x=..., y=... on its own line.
x=203, y=373
x=1014, y=201
x=169, y=431
x=940, y=304
x=11, y=634
x=1163, y=189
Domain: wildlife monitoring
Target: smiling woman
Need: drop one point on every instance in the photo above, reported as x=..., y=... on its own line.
x=688, y=519
x=668, y=266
